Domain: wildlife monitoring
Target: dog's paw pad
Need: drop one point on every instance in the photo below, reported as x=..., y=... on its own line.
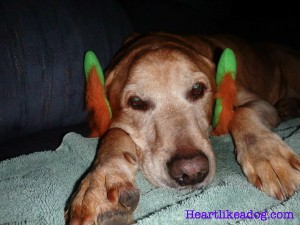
x=114, y=218
x=129, y=198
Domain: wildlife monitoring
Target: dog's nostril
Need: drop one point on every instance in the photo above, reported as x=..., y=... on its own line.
x=182, y=180
x=189, y=171
x=191, y=180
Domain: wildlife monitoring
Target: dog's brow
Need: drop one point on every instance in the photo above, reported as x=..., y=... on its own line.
x=198, y=74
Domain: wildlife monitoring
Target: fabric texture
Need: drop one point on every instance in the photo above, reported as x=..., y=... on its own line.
x=42, y=44
x=35, y=188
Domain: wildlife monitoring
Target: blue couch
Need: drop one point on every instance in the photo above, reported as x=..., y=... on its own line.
x=41, y=53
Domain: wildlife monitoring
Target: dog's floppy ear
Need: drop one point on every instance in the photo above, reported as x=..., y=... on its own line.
x=117, y=63
x=116, y=74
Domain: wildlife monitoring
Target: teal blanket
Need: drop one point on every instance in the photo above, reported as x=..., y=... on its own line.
x=34, y=189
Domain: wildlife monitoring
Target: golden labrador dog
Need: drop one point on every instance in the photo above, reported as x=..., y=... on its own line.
x=161, y=88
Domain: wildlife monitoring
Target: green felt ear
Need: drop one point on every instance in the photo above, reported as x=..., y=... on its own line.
x=226, y=65
x=217, y=112
x=91, y=60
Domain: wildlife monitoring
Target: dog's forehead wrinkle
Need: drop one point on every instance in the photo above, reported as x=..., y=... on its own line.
x=160, y=60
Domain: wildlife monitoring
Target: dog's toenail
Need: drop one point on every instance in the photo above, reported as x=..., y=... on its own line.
x=258, y=184
x=280, y=195
x=295, y=163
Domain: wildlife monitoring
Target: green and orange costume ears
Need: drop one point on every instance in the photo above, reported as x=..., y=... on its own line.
x=226, y=92
x=96, y=101
x=100, y=111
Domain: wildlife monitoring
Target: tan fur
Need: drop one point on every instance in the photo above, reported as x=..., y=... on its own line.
x=161, y=69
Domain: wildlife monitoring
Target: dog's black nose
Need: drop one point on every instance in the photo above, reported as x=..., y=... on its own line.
x=189, y=171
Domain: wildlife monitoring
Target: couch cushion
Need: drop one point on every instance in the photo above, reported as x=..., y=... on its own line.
x=42, y=44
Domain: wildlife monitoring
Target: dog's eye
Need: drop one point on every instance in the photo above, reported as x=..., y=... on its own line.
x=137, y=103
x=197, y=91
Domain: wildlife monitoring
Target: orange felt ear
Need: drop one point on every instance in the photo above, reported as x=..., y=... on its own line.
x=227, y=93
x=96, y=104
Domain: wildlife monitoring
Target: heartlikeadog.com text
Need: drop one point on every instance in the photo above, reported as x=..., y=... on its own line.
x=191, y=214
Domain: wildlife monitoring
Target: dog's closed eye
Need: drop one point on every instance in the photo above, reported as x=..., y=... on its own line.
x=197, y=91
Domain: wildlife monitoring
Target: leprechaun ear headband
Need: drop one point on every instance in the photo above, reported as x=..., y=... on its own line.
x=226, y=92
x=99, y=108
x=96, y=100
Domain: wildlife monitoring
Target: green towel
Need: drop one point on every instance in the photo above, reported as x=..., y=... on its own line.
x=34, y=188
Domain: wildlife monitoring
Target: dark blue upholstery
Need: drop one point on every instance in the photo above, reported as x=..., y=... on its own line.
x=41, y=52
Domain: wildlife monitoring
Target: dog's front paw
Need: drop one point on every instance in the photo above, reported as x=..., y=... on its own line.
x=270, y=165
x=104, y=197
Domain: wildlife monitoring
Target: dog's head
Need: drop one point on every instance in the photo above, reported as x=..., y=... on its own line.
x=161, y=91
